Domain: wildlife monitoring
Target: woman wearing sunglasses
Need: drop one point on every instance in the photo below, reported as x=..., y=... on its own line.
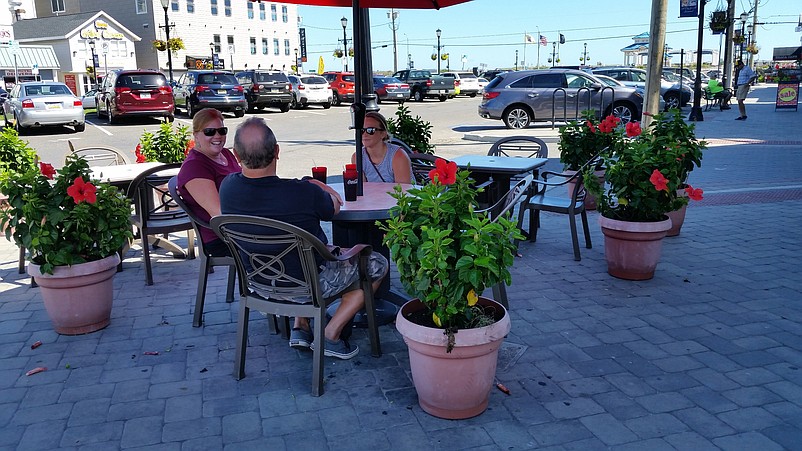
x=382, y=161
x=204, y=169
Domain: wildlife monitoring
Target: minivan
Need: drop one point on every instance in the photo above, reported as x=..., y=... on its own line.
x=198, y=89
x=125, y=93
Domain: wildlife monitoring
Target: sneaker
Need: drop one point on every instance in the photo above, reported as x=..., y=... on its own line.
x=340, y=349
x=740, y=118
x=725, y=108
x=301, y=339
x=744, y=118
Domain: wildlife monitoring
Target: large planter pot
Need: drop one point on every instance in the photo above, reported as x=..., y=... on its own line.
x=590, y=199
x=632, y=249
x=677, y=217
x=78, y=298
x=453, y=385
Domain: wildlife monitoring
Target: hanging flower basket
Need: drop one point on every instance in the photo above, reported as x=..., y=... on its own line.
x=753, y=49
x=738, y=39
x=719, y=22
x=160, y=45
x=351, y=52
x=434, y=57
x=175, y=44
x=338, y=53
x=444, y=56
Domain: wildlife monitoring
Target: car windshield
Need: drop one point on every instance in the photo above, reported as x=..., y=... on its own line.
x=671, y=77
x=609, y=81
x=466, y=75
x=222, y=79
x=639, y=76
x=314, y=80
x=262, y=77
x=136, y=81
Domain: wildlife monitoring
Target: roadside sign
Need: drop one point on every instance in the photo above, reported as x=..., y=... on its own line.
x=104, y=47
x=14, y=47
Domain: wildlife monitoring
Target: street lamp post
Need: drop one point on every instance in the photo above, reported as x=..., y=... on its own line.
x=296, y=61
x=211, y=51
x=516, y=60
x=167, y=26
x=438, y=32
x=744, y=17
x=584, y=58
x=94, y=65
x=393, y=15
x=553, y=53
x=344, y=23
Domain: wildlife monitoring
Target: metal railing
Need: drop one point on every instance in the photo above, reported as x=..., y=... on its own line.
x=588, y=96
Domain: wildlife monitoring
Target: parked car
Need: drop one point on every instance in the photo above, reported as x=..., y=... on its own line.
x=688, y=73
x=390, y=88
x=610, y=81
x=37, y=103
x=466, y=83
x=3, y=94
x=482, y=83
x=125, y=93
x=88, y=99
x=342, y=86
x=423, y=84
x=265, y=88
x=674, y=94
x=198, y=89
x=519, y=98
x=310, y=90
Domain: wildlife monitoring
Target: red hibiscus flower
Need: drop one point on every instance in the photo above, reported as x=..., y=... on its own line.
x=140, y=157
x=590, y=126
x=633, y=129
x=608, y=124
x=444, y=172
x=659, y=181
x=82, y=191
x=694, y=193
x=47, y=170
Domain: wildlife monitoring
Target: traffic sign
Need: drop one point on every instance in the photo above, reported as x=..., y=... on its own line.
x=104, y=47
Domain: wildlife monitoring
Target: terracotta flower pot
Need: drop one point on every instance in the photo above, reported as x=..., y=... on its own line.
x=590, y=199
x=677, y=217
x=632, y=249
x=78, y=298
x=453, y=385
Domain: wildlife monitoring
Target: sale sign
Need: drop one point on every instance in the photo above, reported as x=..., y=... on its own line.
x=787, y=96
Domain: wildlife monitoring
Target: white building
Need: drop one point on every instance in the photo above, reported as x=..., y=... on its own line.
x=243, y=34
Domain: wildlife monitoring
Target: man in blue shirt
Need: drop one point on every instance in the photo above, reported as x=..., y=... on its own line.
x=745, y=78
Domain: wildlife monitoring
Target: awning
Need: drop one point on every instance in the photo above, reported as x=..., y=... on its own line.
x=787, y=54
x=41, y=55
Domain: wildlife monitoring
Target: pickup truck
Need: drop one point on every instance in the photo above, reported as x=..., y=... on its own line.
x=423, y=84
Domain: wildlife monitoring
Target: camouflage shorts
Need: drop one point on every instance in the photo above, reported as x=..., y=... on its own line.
x=335, y=277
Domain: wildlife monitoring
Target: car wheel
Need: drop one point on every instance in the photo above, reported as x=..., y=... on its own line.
x=473, y=94
x=250, y=106
x=190, y=110
x=672, y=100
x=517, y=117
x=5, y=120
x=623, y=112
x=18, y=127
x=239, y=113
x=109, y=114
x=418, y=95
x=378, y=99
x=327, y=105
x=169, y=119
x=284, y=107
x=80, y=127
x=294, y=103
x=443, y=98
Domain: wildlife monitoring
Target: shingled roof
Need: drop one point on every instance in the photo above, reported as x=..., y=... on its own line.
x=60, y=27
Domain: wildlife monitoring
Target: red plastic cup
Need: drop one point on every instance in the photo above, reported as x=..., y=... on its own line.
x=349, y=184
x=319, y=173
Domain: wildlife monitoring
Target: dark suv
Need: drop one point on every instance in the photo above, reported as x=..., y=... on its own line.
x=134, y=93
x=198, y=89
x=266, y=88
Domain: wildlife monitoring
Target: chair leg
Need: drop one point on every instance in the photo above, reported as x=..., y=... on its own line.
x=190, y=244
x=500, y=294
x=232, y=276
x=318, y=352
x=574, y=237
x=242, y=339
x=586, y=229
x=534, y=225
x=146, y=259
x=200, y=295
x=370, y=310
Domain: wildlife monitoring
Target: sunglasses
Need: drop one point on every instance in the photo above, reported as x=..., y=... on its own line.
x=372, y=130
x=222, y=131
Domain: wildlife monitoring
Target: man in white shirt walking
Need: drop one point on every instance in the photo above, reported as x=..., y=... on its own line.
x=745, y=78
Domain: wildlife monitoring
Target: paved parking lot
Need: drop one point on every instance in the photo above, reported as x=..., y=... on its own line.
x=707, y=355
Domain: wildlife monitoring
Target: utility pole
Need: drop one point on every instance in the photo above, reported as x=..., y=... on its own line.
x=726, y=77
x=753, y=39
x=654, y=68
x=392, y=15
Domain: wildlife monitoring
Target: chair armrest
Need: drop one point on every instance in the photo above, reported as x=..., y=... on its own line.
x=346, y=255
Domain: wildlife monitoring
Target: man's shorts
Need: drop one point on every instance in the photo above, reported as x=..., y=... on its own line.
x=742, y=91
x=335, y=277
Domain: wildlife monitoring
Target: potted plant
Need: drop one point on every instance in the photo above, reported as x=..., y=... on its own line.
x=643, y=172
x=738, y=38
x=754, y=49
x=582, y=140
x=175, y=44
x=414, y=131
x=718, y=22
x=447, y=254
x=72, y=228
x=338, y=53
x=160, y=45
x=167, y=145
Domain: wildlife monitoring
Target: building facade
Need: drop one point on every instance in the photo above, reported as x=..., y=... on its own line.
x=236, y=34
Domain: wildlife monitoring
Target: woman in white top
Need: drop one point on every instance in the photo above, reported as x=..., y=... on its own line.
x=382, y=161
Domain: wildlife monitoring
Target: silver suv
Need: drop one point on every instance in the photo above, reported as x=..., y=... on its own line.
x=674, y=94
x=518, y=98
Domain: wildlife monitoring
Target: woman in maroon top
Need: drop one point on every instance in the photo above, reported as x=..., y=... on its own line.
x=204, y=169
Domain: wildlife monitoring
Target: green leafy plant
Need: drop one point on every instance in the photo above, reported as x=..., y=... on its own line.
x=414, y=131
x=581, y=140
x=447, y=253
x=645, y=171
x=167, y=145
x=63, y=218
x=15, y=153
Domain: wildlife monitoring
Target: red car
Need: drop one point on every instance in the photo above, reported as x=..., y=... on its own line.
x=342, y=86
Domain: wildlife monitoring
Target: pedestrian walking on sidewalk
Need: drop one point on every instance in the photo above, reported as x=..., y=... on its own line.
x=745, y=78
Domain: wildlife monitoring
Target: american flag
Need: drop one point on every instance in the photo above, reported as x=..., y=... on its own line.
x=543, y=40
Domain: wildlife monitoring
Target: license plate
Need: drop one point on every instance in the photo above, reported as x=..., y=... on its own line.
x=438, y=91
x=275, y=90
x=221, y=91
x=53, y=106
x=144, y=95
x=399, y=95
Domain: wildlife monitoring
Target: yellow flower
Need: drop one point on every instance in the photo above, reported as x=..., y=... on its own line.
x=436, y=319
x=623, y=201
x=472, y=298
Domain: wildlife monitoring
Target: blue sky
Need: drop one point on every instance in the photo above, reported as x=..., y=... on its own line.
x=490, y=31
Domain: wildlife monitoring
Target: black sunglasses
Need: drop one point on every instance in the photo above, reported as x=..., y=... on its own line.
x=223, y=131
x=372, y=130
